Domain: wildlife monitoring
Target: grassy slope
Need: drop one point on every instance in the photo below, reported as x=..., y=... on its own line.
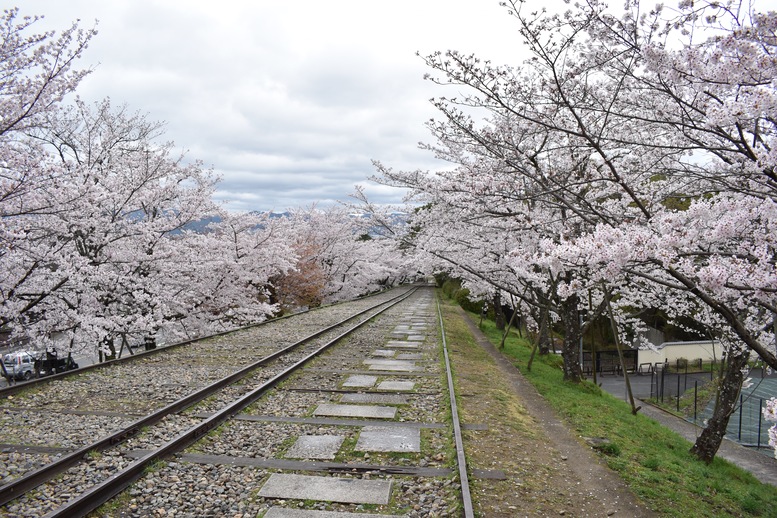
x=653, y=460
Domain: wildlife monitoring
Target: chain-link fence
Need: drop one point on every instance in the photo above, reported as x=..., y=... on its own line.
x=746, y=425
x=685, y=385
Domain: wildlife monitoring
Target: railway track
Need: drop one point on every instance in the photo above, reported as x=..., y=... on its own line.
x=355, y=407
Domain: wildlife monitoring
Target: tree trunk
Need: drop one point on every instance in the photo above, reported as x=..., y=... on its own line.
x=707, y=444
x=544, y=340
x=499, y=316
x=108, y=351
x=570, y=351
x=507, y=331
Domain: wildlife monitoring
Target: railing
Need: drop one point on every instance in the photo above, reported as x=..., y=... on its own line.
x=607, y=362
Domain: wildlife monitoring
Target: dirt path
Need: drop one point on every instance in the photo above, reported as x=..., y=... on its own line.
x=549, y=471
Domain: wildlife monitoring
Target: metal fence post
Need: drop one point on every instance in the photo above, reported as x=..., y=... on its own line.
x=663, y=378
x=678, y=391
x=652, y=377
x=760, y=415
x=740, y=417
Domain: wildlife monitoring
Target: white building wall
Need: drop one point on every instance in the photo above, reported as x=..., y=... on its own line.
x=671, y=351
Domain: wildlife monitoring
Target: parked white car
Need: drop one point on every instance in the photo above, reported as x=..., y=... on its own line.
x=20, y=365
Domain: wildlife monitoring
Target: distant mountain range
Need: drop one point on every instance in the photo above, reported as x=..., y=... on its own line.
x=199, y=226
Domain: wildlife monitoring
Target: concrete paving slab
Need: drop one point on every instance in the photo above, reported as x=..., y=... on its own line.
x=283, y=512
x=405, y=366
x=377, y=438
x=329, y=489
x=390, y=363
x=377, y=412
x=384, y=353
x=419, y=338
x=410, y=356
x=403, y=344
x=385, y=399
x=360, y=381
x=315, y=447
x=399, y=386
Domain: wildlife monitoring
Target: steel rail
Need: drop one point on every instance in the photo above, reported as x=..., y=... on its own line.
x=461, y=459
x=97, y=495
x=29, y=481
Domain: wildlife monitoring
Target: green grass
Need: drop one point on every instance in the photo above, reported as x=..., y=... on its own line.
x=689, y=401
x=654, y=461
x=113, y=507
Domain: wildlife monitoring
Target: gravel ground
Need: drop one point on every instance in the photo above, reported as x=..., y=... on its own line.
x=29, y=427
x=185, y=489
x=194, y=490
x=182, y=488
x=128, y=390
x=13, y=463
x=49, y=496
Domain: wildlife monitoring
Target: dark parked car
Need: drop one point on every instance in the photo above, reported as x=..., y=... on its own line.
x=48, y=364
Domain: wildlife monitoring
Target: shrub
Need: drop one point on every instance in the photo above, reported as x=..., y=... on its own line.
x=462, y=299
x=450, y=287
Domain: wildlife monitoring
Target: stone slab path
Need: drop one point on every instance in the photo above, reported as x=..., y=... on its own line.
x=333, y=489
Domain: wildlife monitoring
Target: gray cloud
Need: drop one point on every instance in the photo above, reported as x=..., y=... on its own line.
x=288, y=101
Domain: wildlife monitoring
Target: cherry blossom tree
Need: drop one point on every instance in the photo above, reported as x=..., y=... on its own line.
x=490, y=235
x=93, y=259
x=101, y=238
x=644, y=145
x=111, y=258
x=701, y=113
x=338, y=259
x=38, y=72
x=222, y=278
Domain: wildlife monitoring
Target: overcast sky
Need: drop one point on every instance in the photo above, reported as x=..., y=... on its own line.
x=289, y=101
